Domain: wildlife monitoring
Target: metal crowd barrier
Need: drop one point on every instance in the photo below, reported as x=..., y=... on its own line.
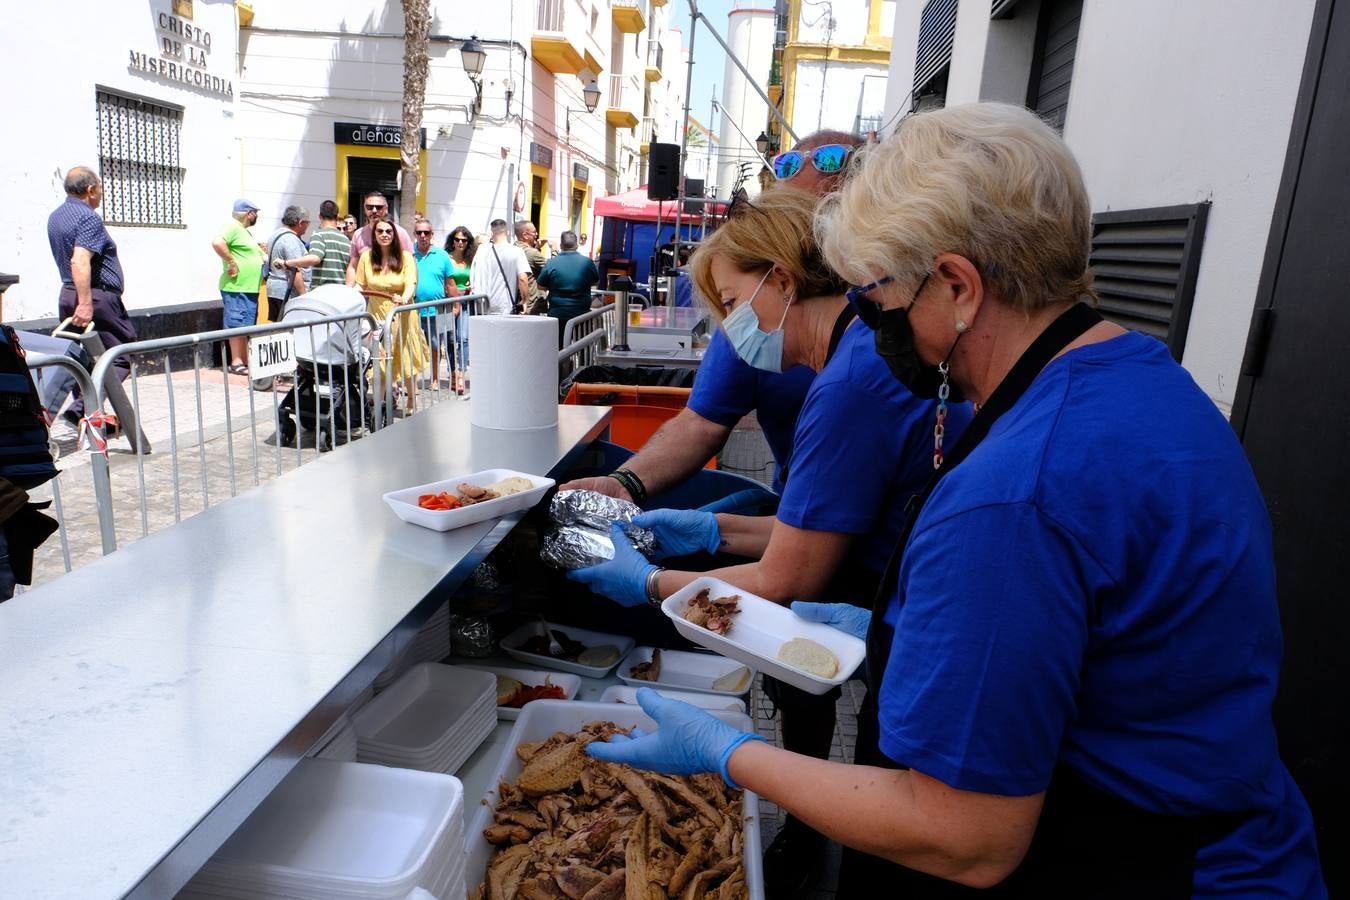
x=98, y=462
x=443, y=328
x=153, y=359
x=583, y=337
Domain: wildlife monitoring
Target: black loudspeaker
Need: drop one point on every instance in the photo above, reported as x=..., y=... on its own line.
x=663, y=178
x=693, y=187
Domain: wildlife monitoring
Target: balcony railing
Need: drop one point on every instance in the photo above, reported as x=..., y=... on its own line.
x=656, y=53
x=649, y=131
x=625, y=101
x=550, y=15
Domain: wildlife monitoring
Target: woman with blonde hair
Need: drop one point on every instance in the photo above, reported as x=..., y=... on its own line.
x=1073, y=658
x=781, y=305
x=387, y=275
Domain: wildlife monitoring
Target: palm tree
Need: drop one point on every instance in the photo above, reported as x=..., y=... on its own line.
x=416, y=32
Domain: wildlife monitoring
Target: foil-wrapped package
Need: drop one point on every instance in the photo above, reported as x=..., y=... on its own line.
x=591, y=509
x=471, y=635
x=571, y=547
x=486, y=577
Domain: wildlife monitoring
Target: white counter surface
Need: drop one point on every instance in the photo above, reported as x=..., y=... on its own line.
x=150, y=700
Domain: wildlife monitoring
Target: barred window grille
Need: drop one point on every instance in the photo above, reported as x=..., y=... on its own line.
x=140, y=161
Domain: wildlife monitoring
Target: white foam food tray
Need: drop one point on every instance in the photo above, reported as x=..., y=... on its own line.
x=626, y=693
x=360, y=829
x=404, y=502
x=539, y=721
x=512, y=643
x=569, y=683
x=687, y=671
x=760, y=629
x=420, y=710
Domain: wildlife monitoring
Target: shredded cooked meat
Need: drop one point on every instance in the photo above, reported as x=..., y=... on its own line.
x=714, y=615
x=648, y=671
x=574, y=827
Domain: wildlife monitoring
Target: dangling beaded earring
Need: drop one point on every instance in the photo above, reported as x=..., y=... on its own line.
x=939, y=429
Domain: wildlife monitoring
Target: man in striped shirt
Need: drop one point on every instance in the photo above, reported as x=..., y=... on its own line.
x=329, y=250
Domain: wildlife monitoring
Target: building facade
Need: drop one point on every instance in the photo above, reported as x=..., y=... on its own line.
x=750, y=31
x=183, y=106
x=1182, y=150
x=149, y=99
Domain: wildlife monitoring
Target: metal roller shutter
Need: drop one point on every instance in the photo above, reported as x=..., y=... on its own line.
x=1145, y=263
x=937, y=30
x=1052, y=69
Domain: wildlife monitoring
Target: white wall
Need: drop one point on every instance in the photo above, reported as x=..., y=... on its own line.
x=830, y=95
x=1195, y=106
x=834, y=22
x=1173, y=102
x=53, y=127
x=904, y=39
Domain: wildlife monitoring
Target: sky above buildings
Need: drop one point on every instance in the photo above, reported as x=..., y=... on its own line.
x=709, y=58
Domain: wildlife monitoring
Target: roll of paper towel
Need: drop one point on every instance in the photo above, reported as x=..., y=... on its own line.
x=515, y=371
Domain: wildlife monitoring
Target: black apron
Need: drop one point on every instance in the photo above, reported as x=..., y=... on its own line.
x=1087, y=844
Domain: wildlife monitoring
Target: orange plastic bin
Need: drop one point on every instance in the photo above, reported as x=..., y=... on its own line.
x=638, y=411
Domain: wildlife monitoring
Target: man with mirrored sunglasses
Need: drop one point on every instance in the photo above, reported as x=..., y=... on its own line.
x=818, y=160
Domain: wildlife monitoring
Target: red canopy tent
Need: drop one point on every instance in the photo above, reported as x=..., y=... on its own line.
x=635, y=207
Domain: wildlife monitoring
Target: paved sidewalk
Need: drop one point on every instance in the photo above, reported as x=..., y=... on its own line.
x=200, y=456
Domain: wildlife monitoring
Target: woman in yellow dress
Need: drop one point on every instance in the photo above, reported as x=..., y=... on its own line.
x=387, y=275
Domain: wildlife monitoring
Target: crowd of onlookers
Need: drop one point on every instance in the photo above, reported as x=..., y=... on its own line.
x=390, y=267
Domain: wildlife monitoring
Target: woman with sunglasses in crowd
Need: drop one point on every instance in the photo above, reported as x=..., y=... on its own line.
x=1073, y=661
x=841, y=509
x=461, y=246
x=387, y=274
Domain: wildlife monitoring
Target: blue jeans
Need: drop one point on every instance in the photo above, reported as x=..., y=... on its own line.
x=462, y=338
x=240, y=308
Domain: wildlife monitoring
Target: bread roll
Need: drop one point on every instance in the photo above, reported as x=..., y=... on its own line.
x=506, y=688
x=807, y=655
x=513, y=485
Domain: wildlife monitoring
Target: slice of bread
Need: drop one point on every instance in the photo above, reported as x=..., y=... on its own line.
x=506, y=687
x=807, y=655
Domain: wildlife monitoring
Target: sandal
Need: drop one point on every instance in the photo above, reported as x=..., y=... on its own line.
x=238, y=369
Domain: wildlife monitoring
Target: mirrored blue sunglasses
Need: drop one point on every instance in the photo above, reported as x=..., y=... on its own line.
x=827, y=158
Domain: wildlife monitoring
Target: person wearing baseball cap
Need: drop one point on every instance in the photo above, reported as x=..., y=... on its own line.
x=241, y=256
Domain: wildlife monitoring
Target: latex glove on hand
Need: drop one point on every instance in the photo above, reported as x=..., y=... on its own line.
x=680, y=532
x=847, y=618
x=622, y=579
x=687, y=740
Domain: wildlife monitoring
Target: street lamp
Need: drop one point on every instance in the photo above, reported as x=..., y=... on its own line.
x=590, y=94
x=762, y=143
x=473, y=57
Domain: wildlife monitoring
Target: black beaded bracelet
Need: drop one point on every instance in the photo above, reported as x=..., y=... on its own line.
x=633, y=484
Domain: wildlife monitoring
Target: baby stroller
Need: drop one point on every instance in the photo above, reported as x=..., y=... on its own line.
x=329, y=396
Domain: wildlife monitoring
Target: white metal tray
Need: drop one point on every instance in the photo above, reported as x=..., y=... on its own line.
x=760, y=629
x=511, y=645
x=540, y=720
x=685, y=671
x=626, y=693
x=568, y=682
x=404, y=502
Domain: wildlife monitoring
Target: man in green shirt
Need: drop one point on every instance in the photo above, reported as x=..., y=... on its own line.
x=569, y=277
x=329, y=250
x=242, y=259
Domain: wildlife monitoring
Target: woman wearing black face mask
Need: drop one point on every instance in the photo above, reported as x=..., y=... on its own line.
x=1074, y=662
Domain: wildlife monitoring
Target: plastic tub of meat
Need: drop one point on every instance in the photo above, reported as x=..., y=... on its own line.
x=759, y=630
x=540, y=720
x=706, y=673
x=404, y=502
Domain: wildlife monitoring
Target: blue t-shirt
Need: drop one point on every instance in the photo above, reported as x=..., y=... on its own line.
x=75, y=224
x=726, y=389
x=863, y=446
x=1095, y=586
x=432, y=270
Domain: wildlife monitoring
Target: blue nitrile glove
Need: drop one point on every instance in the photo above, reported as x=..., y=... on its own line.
x=847, y=618
x=680, y=532
x=622, y=579
x=687, y=740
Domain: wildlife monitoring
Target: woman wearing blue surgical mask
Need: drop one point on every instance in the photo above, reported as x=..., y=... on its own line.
x=860, y=449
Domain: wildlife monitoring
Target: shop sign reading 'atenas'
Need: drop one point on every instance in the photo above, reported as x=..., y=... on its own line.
x=372, y=135
x=184, y=51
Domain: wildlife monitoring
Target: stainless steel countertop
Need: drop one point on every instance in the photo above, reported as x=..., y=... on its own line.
x=150, y=700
